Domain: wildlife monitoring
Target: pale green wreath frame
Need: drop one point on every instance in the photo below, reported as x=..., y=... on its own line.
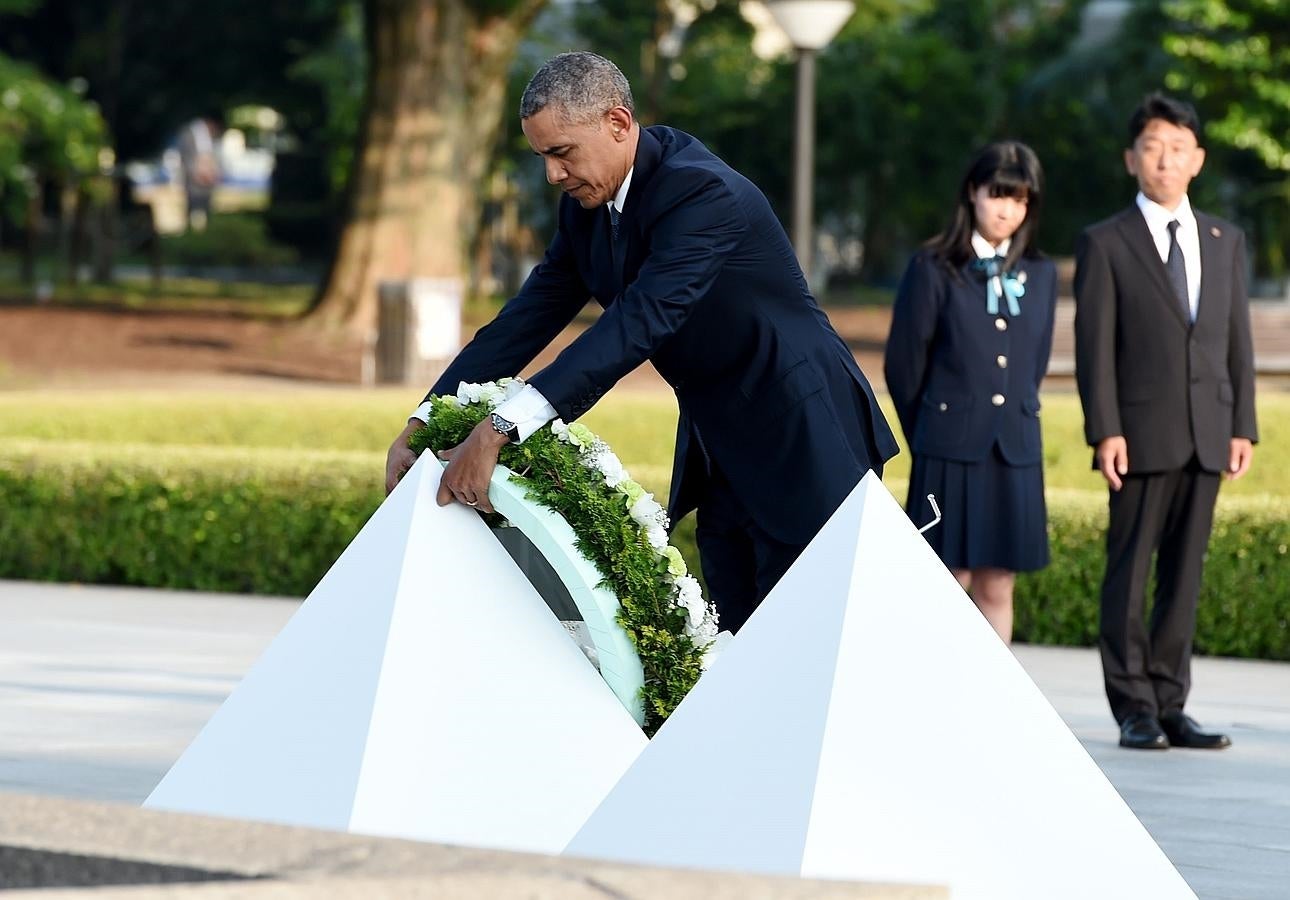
x=554, y=538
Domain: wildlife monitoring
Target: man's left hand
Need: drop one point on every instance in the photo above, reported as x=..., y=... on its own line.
x=1239, y=456
x=470, y=468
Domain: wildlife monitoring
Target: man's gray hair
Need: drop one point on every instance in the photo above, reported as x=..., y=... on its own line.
x=580, y=86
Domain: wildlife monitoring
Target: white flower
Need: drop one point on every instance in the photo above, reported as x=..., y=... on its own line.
x=713, y=648
x=492, y=394
x=468, y=392
x=645, y=512
x=610, y=466
x=690, y=597
x=656, y=536
x=560, y=430
x=511, y=387
x=704, y=632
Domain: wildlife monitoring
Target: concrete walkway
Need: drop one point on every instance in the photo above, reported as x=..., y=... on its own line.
x=102, y=688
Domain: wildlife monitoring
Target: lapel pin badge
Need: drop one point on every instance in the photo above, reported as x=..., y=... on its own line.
x=1216, y=232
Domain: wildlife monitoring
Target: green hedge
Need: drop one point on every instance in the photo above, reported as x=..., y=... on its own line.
x=180, y=517
x=1245, y=600
x=273, y=521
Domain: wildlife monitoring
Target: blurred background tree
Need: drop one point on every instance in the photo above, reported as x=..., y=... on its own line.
x=402, y=155
x=437, y=78
x=1233, y=57
x=51, y=143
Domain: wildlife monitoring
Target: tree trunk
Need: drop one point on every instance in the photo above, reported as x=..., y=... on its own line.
x=436, y=85
x=31, y=240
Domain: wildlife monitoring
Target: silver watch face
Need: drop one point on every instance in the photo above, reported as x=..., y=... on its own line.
x=500, y=425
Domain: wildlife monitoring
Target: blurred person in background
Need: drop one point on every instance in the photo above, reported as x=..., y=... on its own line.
x=199, y=160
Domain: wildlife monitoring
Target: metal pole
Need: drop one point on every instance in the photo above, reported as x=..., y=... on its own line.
x=804, y=160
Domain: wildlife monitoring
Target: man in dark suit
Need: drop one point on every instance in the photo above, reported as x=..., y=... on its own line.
x=1166, y=378
x=697, y=276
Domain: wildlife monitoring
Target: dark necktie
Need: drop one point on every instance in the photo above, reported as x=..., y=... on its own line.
x=614, y=216
x=1177, y=269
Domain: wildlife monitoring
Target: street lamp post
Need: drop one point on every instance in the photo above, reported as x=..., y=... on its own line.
x=810, y=25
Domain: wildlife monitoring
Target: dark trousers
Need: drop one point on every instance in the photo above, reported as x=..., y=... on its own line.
x=741, y=563
x=1147, y=666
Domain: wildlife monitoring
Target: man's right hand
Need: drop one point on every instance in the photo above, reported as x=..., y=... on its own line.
x=400, y=458
x=1113, y=460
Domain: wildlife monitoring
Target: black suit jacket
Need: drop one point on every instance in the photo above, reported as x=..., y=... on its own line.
x=948, y=361
x=1170, y=387
x=705, y=285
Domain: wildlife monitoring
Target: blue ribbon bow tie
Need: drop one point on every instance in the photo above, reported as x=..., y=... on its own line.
x=998, y=282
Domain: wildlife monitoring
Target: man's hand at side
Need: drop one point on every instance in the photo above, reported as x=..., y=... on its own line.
x=1240, y=454
x=1113, y=460
x=400, y=456
x=470, y=468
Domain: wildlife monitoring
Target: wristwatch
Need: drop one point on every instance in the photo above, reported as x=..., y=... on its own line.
x=505, y=428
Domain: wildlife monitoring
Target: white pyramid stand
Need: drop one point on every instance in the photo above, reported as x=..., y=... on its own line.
x=422, y=691
x=868, y=724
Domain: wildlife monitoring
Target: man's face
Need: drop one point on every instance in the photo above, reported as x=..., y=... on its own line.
x=1164, y=158
x=587, y=161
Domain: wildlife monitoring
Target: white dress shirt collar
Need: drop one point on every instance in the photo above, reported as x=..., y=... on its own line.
x=621, y=197
x=983, y=248
x=1158, y=218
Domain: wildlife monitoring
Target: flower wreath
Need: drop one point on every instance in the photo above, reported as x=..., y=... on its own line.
x=620, y=529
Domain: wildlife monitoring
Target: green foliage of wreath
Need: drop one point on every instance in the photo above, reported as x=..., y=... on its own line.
x=554, y=476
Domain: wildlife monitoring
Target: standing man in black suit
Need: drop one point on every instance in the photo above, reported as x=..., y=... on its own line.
x=1166, y=378
x=697, y=276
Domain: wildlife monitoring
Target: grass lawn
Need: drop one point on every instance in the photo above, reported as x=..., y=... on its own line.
x=639, y=425
x=203, y=295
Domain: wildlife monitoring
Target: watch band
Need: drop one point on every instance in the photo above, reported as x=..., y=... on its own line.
x=505, y=427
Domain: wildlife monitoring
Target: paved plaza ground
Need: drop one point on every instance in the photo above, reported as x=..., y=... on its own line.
x=102, y=688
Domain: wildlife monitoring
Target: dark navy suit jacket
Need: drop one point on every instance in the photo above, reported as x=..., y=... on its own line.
x=704, y=284
x=1171, y=387
x=963, y=380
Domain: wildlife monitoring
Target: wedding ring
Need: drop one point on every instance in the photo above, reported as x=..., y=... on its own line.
x=472, y=502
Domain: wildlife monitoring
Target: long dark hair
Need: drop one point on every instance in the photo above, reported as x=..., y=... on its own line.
x=1008, y=169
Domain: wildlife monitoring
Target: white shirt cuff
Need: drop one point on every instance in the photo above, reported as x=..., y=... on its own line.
x=529, y=410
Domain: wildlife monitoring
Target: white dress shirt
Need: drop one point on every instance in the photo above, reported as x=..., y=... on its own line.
x=1158, y=219
x=528, y=409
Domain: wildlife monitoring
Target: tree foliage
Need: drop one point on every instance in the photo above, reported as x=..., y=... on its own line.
x=48, y=131
x=153, y=66
x=1234, y=57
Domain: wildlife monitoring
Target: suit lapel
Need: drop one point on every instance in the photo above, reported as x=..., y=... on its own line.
x=1212, y=259
x=1138, y=238
x=649, y=155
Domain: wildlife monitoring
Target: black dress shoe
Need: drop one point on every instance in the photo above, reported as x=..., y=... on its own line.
x=1183, y=731
x=1142, y=731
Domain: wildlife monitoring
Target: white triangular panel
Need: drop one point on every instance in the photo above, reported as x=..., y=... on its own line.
x=423, y=691
x=937, y=760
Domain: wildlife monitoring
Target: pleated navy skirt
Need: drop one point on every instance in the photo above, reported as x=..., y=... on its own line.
x=993, y=513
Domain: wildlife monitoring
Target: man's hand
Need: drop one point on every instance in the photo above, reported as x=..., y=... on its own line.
x=470, y=467
x=400, y=456
x=1113, y=460
x=1239, y=456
